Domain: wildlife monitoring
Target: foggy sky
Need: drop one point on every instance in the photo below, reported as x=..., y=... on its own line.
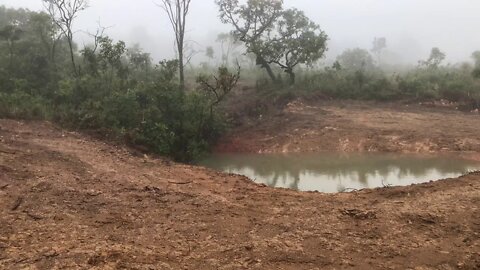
x=412, y=27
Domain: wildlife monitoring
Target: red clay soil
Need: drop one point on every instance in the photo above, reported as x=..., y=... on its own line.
x=357, y=127
x=71, y=202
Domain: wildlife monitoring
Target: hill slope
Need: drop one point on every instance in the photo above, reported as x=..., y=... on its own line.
x=349, y=126
x=69, y=201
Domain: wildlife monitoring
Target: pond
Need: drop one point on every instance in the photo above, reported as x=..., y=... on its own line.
x=339, y=172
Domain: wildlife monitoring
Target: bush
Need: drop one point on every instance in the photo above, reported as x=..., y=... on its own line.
x=421, y=84
x=179, y=125
x=20, y=105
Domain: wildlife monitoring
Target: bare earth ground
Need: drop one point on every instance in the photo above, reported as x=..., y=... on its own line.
x=71, y=202
x=356, y=127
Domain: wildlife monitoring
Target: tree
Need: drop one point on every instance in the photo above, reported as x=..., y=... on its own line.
x=209, y=52
x=110, y=55
x=379, y=44
x=355, y=59
x=48, y=33
x=476, y=58
x=26, y=41
x=225, y=82
x=286, y=38
x=296, y=40
x=177, y=11
x=336, y=66
x=63, y=14
x=228, y=44
x=435, y=59
x=140, y=61
x=11, y=33
x=251, y=22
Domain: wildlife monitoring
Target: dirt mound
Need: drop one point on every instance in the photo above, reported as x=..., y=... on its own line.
x=356, y=127
x=71, y=202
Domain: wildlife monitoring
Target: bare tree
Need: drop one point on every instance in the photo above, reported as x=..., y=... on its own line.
x=379, y=44
x=97, y=36
x=177, y=11
x=228, y=44
x=225, y=82
x=63, y=14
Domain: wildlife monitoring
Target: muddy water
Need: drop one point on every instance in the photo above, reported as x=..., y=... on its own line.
x=333, y=172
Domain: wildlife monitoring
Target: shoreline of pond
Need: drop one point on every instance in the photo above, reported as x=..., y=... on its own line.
x=337, y=172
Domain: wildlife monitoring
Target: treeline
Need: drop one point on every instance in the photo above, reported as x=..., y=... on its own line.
x=288, y=46
x=356, y=75
x=105, y=87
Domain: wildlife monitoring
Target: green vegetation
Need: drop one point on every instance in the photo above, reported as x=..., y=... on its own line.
x=355, y=76
x=117, y=90
x=285, y=38
x=284, y=41
x=105, y=87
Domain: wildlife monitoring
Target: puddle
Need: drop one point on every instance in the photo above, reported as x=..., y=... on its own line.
x=335, y=172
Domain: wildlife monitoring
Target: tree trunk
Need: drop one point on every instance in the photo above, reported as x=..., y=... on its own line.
x=181, y=67
x=10, y=57
x=292, y=76
x=53, y=51
x=181, y=40
x=72, y=55
x=264, y=64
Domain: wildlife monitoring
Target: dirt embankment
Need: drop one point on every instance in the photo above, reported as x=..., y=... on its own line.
x=357, y=127
x=71, y=202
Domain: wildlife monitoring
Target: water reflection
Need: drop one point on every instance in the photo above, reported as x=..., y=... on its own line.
x=333, y=172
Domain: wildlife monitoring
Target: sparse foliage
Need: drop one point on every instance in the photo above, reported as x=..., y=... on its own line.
x=435, y=60
x=224, y=83
x=63, y=14
x=228, y=44
x=177, y=11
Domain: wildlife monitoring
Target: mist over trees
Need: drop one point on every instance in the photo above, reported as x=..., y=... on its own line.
x=379, y=45
x=228, y=45
x=356, y=59
x=435, y=59
x=179, y=110
x=476, y=59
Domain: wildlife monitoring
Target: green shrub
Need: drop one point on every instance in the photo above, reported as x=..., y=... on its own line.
x=20, y=105
x=421, y=84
